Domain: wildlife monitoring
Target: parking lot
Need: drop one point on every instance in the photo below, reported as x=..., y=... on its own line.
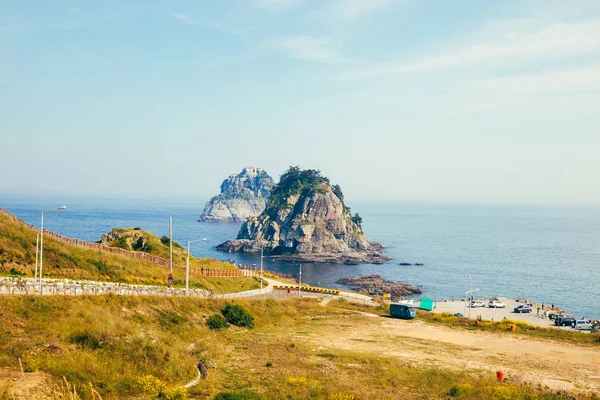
x=494, y=314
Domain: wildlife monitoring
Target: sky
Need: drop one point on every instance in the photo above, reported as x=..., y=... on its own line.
x=440, y=101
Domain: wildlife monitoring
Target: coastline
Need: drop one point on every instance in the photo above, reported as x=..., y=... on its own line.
x=453, y=241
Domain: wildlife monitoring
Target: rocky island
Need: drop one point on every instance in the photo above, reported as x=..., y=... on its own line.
x=242, y=196
x=306, y=220
x=375, y=285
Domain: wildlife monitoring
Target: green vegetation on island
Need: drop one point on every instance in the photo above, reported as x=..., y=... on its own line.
x=307, y=220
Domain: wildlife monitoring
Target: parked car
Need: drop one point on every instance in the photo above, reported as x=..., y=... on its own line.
x=523, y=308
x=564, y=321
x=582, y=325
x=475, y=304
x=496, y=304
x=458, y=314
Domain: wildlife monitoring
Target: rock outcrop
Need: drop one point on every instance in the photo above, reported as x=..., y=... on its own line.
x=375, y=285
x=306, y=220
x=242, y=196
x=137, y=239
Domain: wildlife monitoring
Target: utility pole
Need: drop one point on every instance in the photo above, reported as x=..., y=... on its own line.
x=300, y=282
x=37, y=248
x=470, y=296
x=261, y=267
x=170, y=245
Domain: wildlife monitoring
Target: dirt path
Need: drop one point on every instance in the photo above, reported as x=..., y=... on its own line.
x=556, y=365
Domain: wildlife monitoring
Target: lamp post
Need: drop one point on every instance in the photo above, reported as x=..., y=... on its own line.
x=37, y=253
x=300, y=282
x=61, y=208
x=187, y=266
x=261, y=267
x=470, y=295
x=171, y=245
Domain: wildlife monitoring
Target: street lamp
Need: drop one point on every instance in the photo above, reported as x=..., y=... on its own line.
x=37, y=258
x=261, y=267
x=300, y=282
x=187, y=266
x=470, y=295
x=61, y=208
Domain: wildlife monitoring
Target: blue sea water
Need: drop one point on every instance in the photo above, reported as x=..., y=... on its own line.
x=544, y=254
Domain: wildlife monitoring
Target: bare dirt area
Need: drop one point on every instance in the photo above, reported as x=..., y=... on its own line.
x=28, y=385
x=556, y=365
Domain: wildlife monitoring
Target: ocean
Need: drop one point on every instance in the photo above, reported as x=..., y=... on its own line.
x=544, y=254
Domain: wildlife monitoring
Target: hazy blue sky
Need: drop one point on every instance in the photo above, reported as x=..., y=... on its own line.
x=444, y=101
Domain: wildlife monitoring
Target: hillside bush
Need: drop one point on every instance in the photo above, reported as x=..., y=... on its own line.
x=216, y=322
x=237, y=315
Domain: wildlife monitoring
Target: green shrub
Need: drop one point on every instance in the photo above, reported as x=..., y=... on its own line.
x=238, y=315
x=454, y=391
x=217, y=321
x=238, y=395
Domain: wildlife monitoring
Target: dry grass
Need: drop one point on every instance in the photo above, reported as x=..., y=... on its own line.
x=119, y=346
x=520, y=328
x=62, y=260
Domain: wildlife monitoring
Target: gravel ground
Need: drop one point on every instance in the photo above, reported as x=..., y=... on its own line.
x=495, y=314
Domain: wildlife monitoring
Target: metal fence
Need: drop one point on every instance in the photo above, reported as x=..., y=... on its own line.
x=253, y=268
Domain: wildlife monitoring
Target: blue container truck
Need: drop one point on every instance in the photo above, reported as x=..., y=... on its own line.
x=404, y=311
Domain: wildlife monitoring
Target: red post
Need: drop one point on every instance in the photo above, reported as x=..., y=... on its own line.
x=512, y=328
x=500, y=376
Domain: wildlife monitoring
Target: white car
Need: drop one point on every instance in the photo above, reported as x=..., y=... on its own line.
x=582, y=325
x=496, y=304
x=475, y=304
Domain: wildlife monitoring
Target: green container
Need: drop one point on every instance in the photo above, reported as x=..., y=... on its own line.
x=427, y=304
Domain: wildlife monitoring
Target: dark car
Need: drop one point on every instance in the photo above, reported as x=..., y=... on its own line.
x=523, y=308
x=564, y=321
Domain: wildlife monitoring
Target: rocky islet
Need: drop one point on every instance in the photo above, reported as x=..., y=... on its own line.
x=306, y=220
x=242, y=196
x=375, y=285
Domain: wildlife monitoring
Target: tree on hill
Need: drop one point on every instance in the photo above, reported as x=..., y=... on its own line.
x=357, y=219
x=337, y=190
x=296, y=181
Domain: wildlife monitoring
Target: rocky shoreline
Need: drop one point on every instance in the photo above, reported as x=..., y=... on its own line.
x=349, y=257
x=375, y=285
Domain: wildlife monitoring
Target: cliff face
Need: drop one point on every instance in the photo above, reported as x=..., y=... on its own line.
x=306, y=220
x=242, y=196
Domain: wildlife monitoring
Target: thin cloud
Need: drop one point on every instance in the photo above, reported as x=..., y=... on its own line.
x=309, y=48
x=183, y=18
x=225, y=28
x=276, y=4
x=553, y=41
x=552, y=94
x=348, y=10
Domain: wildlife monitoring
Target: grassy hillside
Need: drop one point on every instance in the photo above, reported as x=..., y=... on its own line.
x=126, y=347
x=62, y=260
